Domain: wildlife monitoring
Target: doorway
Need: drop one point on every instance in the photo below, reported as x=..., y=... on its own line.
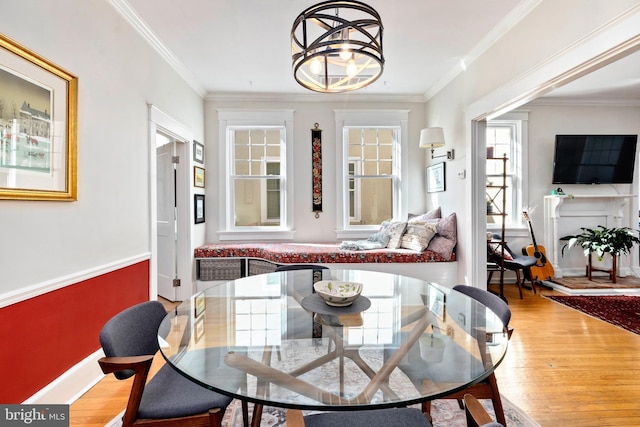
x=171, y=255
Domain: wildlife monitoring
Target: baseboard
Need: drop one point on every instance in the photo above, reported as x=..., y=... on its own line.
x=71, y=385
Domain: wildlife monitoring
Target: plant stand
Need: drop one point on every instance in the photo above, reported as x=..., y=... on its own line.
x=612, y=271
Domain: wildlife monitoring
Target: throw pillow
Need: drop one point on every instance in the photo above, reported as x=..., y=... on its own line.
x=496, y=248
x=396, y=230
x=432, y=214
x=418, y=235
x=445, y=241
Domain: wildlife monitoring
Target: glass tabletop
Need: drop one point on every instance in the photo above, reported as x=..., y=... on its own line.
x=403, y=341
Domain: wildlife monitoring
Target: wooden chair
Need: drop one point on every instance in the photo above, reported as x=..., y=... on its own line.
x=487, y=388
x=476, y=414
x=130, y=340
x=511, y=261
x=406, y=417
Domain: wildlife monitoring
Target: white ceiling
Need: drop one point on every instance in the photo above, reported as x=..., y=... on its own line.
x=243, y=46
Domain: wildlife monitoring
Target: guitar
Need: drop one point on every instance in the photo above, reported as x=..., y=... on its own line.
x=543, y=270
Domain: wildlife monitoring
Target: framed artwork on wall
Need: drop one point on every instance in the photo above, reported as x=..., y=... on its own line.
x=198, y=177
x=37, y=126
x=198, y=152
x=198, y=208
x=436, y=178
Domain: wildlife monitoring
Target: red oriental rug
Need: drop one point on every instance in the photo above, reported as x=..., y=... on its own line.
x=619, y=310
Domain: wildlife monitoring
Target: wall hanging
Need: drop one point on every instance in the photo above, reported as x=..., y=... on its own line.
x=316, y=168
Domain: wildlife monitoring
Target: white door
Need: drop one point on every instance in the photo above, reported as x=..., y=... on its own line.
x=167, y=217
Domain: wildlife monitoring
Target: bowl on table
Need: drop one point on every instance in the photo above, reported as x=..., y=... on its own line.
x=337, y=293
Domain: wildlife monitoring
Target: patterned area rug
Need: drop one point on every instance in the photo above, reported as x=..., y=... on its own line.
x=619, y=310
x=444, y=413
x=598, y=282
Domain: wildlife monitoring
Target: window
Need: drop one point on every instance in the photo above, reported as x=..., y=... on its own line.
x=370, y=187
x=256, y=190
x=255, y=177
x=506, y=136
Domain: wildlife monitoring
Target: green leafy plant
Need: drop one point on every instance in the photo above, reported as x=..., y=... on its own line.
x=602, y=240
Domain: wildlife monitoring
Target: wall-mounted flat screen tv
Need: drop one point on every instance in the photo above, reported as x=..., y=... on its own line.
x=594, y=159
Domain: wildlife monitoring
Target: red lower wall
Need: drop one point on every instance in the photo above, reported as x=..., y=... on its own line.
x=42, y=337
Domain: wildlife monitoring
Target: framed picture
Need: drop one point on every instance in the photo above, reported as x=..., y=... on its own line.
x=198, y=305
x=37, y=126
x=198, y=152
x=198, y=205
x=198, y=177
x=436, y=178
x=436, y=300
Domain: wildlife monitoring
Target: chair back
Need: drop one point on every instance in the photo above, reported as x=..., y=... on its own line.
x=301, y=267
x=492, y=301
x=133, y=332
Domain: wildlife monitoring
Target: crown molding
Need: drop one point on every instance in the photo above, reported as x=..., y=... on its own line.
x=131, y=16
x=313, y=97
x=502, y=28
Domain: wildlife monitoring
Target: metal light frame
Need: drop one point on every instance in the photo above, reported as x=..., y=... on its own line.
x=334, y=37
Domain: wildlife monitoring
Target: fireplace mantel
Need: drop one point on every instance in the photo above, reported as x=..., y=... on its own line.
x=564, y=215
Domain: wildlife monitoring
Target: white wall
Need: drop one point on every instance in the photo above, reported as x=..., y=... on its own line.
x=555, y=38
x=545, y=121
x=306, y=114
x=119, y=74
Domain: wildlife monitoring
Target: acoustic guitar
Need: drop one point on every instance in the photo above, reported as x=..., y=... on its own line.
x=543, y=270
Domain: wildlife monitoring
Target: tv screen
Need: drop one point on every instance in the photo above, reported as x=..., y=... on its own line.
x=594, y=159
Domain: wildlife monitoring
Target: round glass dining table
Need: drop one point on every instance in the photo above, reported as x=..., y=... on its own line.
x=402, y=341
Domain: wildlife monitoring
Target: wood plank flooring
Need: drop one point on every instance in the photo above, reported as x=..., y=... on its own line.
x=563, y=368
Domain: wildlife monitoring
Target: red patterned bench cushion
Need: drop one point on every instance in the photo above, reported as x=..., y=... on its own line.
x=291, y=253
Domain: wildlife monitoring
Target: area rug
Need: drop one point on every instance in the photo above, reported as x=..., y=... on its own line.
x=598, y=282
x=620, y=310
x=444, y=413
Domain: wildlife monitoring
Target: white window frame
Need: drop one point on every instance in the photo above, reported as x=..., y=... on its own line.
x=519, y=122
x=346, y=119
x=229, y=120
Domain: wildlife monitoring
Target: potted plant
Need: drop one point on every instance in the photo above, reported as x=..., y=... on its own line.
x=601, y=241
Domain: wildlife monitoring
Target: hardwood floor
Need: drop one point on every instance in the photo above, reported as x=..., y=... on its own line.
x=563, y=368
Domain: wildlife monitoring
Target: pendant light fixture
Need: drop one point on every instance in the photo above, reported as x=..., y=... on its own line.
x=336, y=46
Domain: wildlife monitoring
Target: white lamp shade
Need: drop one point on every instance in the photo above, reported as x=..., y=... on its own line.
x=431, y=138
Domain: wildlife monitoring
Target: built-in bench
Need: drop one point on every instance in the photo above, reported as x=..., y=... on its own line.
x=232, y=261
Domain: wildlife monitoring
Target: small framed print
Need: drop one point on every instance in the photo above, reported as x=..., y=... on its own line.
x=436, y=300
x=198, y=305
x=198, y=177
x=198, y=206
x=198, y=152
x=436, y=178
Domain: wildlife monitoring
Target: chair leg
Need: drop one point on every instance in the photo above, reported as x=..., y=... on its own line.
x=519, y=279
x=245, y=413
x=533, y=282
x=215, y=417
x=497, y=401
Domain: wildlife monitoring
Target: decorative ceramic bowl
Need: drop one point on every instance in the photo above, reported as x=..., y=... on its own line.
x=336, y=293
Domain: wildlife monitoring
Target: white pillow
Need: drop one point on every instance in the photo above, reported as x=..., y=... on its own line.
x=418, y=235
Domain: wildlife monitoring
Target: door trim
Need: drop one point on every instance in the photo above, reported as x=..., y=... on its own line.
x=158, y=120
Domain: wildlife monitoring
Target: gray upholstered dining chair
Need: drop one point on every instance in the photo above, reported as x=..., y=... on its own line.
x=487, y=388
x=130, y=341
x=406, y=417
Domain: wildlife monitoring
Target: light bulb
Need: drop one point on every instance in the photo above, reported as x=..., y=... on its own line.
x=352, y=69
x=315, y=66
x=344, y=52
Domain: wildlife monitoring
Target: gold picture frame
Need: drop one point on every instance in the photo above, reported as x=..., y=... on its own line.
x=198, y=177
x=38, y=126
